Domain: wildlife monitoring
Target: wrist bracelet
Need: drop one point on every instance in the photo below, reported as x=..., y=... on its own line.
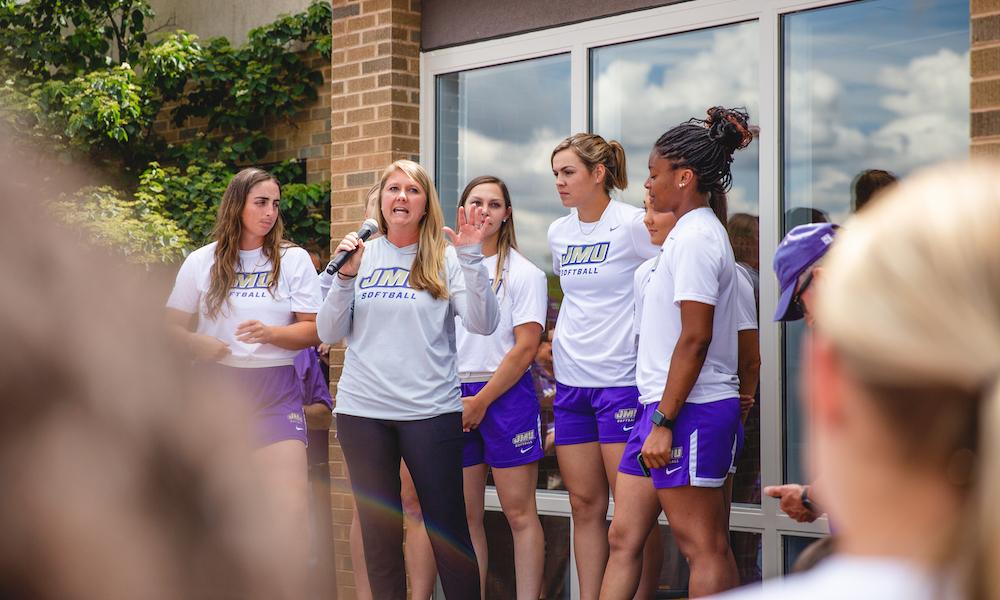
x=341, y=275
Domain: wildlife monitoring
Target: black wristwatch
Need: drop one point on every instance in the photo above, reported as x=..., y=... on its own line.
x=806, y=502
x=660, y=420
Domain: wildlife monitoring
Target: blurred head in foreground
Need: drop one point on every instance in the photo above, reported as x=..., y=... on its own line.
x=123, y=477
x=904, y=378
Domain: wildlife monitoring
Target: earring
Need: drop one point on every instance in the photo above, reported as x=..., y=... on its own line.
x=504, y=221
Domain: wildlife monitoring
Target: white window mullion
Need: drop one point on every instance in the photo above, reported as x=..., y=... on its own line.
x=769, y=121
x=580, y=87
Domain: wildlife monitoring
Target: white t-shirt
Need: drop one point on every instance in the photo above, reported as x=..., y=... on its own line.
x=697, y=265
x=594, y=344
x=857, y=578
x=746, y=302
x=640, y=281
x=523, y=297
x=746, y=305
x=249, y=299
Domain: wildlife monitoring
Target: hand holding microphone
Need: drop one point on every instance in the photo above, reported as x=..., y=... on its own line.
x=350, y=250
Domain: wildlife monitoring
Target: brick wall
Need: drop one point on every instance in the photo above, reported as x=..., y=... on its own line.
x=374, y=117
x=985, y=97
x=306, y=135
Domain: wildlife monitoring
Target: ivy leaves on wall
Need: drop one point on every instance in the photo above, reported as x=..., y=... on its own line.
x=86, y=79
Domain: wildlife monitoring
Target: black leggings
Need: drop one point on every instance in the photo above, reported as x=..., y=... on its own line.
x=432, y=449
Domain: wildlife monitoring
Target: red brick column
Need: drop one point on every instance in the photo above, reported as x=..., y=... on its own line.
x=375, y=106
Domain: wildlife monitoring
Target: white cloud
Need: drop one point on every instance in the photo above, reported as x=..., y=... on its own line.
x=924, y=104
x=652, y=86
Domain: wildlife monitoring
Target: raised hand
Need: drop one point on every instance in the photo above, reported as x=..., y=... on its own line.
x=471, y=222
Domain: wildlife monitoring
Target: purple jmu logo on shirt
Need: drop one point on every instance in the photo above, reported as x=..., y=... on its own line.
x=250, y=281
x=585, y=254
x=391, y=277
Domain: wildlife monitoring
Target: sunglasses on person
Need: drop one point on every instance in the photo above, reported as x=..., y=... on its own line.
x=797, y=298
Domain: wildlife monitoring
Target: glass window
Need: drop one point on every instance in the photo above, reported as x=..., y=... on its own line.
x=881, y=84
x=641, y=89
x=500, y=121
x=807, y=549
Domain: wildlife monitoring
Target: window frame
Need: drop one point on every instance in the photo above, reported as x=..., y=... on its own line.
x=578, y=40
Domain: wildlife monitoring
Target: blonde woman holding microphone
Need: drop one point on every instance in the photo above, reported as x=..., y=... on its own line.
x=395, y=300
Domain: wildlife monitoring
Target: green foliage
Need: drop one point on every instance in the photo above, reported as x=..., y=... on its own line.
x=194, y=193
x=190, y=195
x=83, y=76
x=304, y=210
x=237, y=89
x=168, y=64
x=103, y=105
x=135, y=227
x=59, y=39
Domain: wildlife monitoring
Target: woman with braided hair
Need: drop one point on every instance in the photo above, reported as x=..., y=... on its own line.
x=686, y=368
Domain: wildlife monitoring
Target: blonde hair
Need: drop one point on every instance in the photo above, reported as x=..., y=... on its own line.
x=911, y=302
x=594, y=150
x=227, y=232
x=506, y=238
x=372, y=205
x=428, y=267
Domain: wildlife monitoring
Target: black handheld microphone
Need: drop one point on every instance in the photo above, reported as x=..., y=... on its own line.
x=369, y=227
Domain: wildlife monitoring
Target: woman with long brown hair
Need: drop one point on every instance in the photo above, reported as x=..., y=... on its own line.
x=501, y=410
x=244, y=305
x=395, y=300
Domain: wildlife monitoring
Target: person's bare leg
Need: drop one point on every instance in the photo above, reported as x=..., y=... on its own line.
x=701, y=527
x=516, y=489
x=417, y=551
x=652, y=554
x=581, y=466
x=727, y=489
x=636, y=510
x=474, y=482
x=283, y=466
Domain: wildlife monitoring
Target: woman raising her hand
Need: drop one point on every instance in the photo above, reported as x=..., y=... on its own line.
x=395, y=301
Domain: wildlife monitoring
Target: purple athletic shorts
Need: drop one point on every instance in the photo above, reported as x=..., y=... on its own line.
x=274, y=397
x=605, y=415
x=704, y=445
x=510, y=432
x=740, y=443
